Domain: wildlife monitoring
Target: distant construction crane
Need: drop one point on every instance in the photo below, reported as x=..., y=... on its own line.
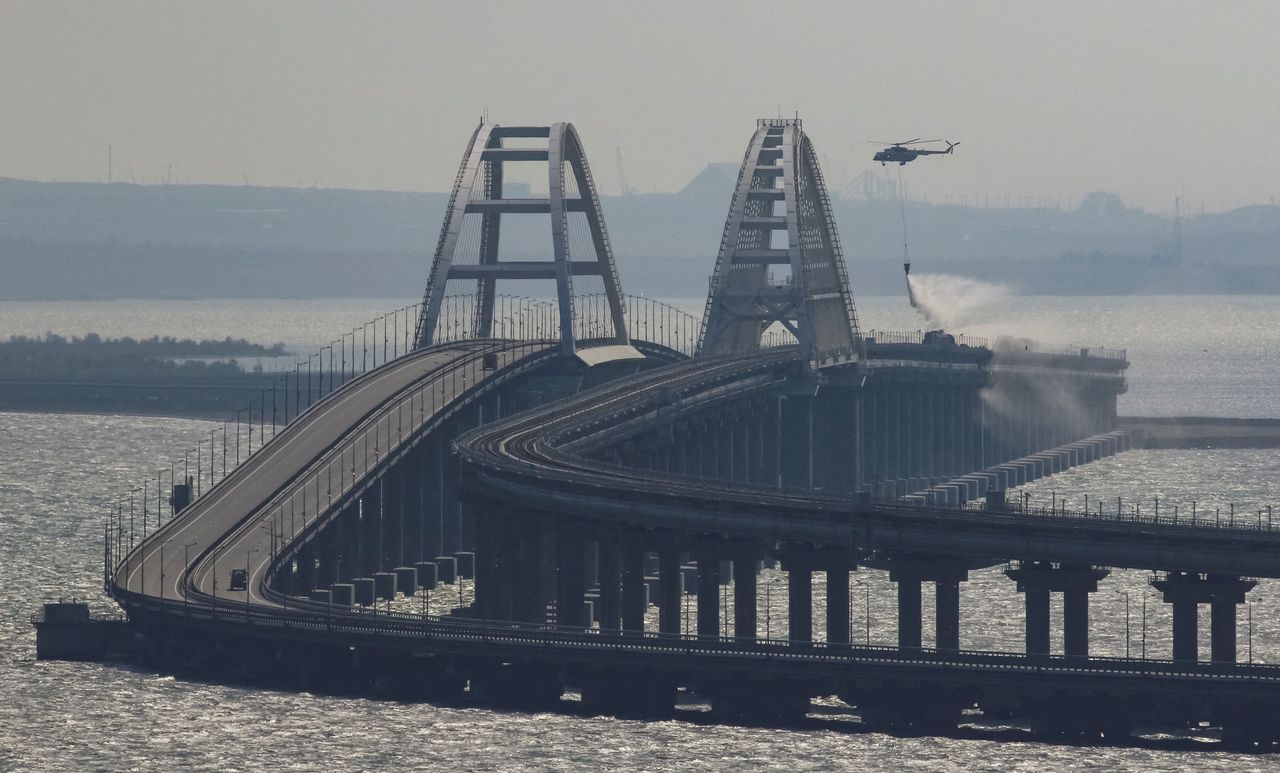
x=622, y=177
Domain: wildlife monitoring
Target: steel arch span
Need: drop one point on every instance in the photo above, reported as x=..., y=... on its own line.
x=781, y=217
x=468, y=247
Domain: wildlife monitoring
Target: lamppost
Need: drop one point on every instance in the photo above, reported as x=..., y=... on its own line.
x=867, y=591
x=1144, y=626
x=1125, y=593
x=768, y=611
x=162, y=544
x=1248, y=607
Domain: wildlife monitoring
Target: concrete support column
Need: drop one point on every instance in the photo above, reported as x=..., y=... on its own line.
x=744, y=594
x=669, y=589
x=771, y=442
x=451, y=508
x=570, y=584
x=609, y=576
x=708, y=442
x=909, y=571
x=487, y=592
x=1185, y=591
x=1222, y=631
x=753, y=447
x=634, y=602
x=1037, y=621
x=429, y=496
x=909, y=622
x=1185, y=629
x=370, y=531
x=724, y=445
x=741, y=446
x=676, y=455
x=708, y=593
x=1037, y=580
x=796, y=440
x=529, y=595
x=947, y=617
x=1075, y=623
x=799, y=601
x=838, y=605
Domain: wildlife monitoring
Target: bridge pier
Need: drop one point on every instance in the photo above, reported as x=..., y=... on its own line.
x=725, y=437
x=799, y=598
x=570, y=577
x=837, y=430
x=838, y=603
x=795, y=441
x=1037, y=580
x=431, y=485
x=752, y=441
x=530, y=595
x=609, y=580
x=1185, y=591
x=634, y=600
x=669, y=588
x=946, y=574
x=450, y=509
x=744, y=591
x=708, y=590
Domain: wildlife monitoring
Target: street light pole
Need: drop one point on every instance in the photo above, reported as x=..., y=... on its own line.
x=1144, y=626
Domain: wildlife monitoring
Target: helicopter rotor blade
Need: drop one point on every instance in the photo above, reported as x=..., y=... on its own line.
x=921, y=142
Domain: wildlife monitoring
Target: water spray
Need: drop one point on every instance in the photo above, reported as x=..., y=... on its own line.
x=906, y=255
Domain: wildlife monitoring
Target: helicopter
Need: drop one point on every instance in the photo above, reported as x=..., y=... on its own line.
x=899, y=153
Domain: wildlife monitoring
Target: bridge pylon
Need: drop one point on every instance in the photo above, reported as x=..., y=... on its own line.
x=467, y=252
x=780, y=261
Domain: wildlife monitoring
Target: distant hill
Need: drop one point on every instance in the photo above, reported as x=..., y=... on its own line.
x=93, y=240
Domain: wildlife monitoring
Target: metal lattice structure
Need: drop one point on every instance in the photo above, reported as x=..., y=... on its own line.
x=468, y=249
x=781, y=217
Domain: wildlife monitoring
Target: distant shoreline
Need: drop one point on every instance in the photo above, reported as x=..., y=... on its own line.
x=220, y=404
x=1202, y=432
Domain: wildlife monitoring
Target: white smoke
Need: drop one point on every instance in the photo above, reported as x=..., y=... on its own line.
x=950, y=302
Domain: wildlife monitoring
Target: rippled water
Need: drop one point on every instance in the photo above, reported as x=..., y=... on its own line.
x=57, y=471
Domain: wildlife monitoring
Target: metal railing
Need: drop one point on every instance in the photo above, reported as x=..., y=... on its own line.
x=1259, y=520
x=325, y=620
x=918, y=336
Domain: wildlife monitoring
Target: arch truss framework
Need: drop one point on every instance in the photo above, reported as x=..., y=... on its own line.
x=478, y=193
x=780, y=260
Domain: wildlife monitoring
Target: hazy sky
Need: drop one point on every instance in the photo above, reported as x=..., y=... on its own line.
x=1146, y=99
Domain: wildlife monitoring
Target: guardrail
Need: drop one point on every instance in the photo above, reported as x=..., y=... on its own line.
x=344, y=621
x=918, y=337
x=1238, y=520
